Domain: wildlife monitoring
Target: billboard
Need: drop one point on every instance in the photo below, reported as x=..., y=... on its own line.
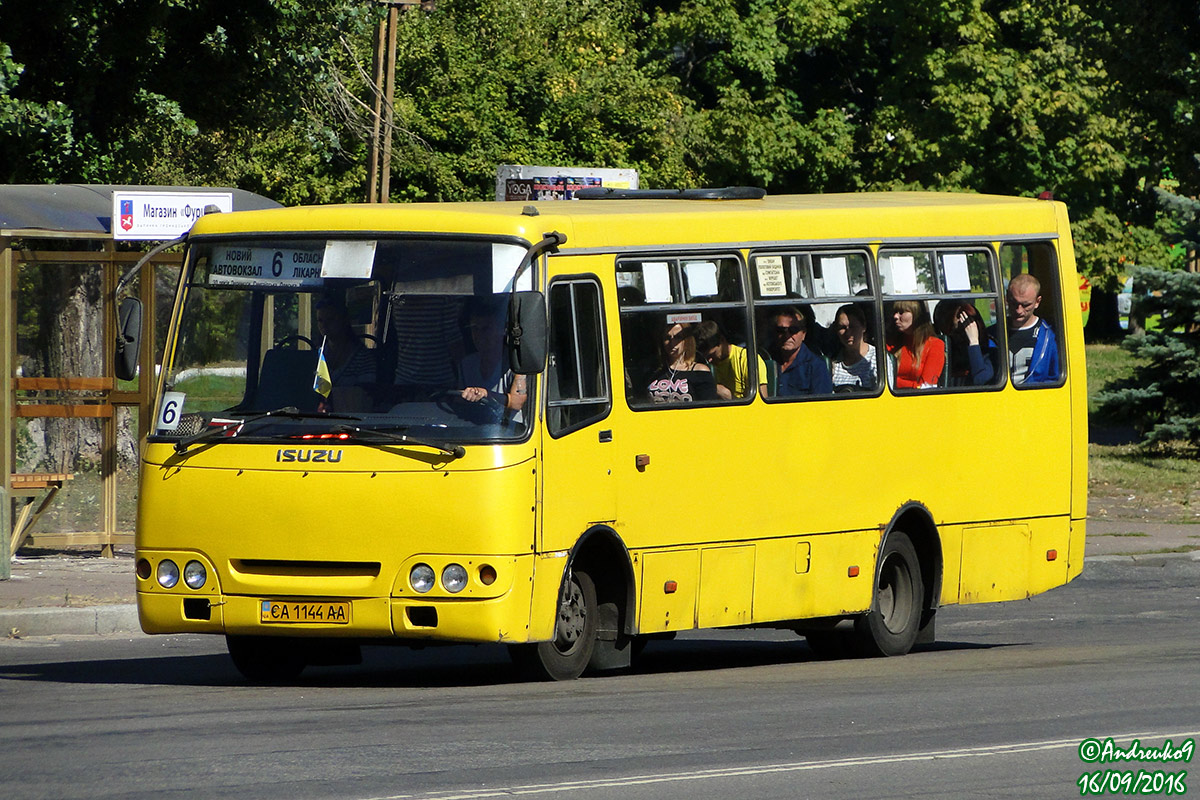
x=162, y=215
x=525, y=183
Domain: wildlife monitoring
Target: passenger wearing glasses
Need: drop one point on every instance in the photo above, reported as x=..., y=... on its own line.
x=801, y=371
x=1033, y=352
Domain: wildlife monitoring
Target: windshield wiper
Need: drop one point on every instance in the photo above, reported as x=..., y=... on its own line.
x=290, y=412
x=456, y=450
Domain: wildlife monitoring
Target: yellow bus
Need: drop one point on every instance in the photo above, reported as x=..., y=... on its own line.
x=571, y=427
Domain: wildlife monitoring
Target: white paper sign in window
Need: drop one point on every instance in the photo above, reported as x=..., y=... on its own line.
x=769, y=270
x=701, y=278
x=348, y=259
x=656, y=278
x=904, y=274
x=958, y=278
x=505, y=260
x=837, y=278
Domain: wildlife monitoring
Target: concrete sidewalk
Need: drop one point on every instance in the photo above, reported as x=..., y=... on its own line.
x=58, y=593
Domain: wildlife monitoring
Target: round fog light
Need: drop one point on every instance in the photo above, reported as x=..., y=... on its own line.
x=168, y=573
x=454, y=578
x=421, y=578
x=143, y=569
x=194, y=574
x=487, y=574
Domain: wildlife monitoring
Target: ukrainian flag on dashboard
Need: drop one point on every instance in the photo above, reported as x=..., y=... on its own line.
x=322, y=383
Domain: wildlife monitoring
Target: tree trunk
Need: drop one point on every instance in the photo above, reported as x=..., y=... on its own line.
x=68, y=345
x=1104, y=323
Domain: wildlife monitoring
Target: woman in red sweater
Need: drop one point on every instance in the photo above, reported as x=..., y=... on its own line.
x=920, y=354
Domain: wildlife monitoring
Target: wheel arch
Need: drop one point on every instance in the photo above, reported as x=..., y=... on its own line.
x=601, y=553
x=915, y=520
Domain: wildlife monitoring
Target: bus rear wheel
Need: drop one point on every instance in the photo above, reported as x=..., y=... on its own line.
x=263, y=659
x=567, y=655
x=890, y=628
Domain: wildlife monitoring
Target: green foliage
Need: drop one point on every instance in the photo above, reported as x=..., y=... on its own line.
x=1093, y=99
x=541, y=82
x=33, y=136
x=1160, y=397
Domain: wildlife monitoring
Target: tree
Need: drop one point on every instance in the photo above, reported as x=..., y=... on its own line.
x=1161, y=397
x=486, y=82
x=177, y=91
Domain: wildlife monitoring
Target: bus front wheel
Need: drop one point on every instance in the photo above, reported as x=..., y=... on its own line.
x=890, y=628
x=567, y=656
x=264, y=659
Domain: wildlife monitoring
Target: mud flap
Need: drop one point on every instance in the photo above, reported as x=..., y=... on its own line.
x=614, y=650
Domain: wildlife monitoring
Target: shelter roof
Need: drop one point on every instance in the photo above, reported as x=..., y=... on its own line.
x=86, y=209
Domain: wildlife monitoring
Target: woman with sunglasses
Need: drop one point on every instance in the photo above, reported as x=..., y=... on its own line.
x=681, y=379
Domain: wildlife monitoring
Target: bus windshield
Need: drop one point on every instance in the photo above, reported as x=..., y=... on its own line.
x=383, y=335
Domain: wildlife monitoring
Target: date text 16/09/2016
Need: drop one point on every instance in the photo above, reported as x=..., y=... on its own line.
x=1134, y=781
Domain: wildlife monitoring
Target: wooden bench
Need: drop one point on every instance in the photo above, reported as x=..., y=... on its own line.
x=28, y=486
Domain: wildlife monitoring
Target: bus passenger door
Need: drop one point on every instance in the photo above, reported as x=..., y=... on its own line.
x=576, y=470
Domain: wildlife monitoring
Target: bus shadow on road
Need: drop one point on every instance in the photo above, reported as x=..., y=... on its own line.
x=440, y=667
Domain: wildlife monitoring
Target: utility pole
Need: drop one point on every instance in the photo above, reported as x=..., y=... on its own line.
x=379, y=172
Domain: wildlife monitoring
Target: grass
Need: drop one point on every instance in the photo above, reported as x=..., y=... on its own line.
x=1105, y=363
x=1162, y=478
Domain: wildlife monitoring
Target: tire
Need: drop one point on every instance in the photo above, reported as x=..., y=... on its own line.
x=263, y=659
x=890, y=628
x=567, y=656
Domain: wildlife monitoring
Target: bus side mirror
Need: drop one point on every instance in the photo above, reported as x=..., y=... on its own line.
x=129, y=338
x=527, y=333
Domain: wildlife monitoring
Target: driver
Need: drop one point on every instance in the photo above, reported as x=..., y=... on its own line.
x=485, y=372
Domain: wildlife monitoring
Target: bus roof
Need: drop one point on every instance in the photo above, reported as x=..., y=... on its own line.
x=607, y=224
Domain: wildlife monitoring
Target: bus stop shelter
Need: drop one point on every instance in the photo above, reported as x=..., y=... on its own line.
x=50, y=232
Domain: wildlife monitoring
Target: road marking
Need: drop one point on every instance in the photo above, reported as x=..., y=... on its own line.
x=766, y=769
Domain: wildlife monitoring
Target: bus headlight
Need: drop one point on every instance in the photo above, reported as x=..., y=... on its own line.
x=194, y=574
x=421, y=578
x=454, y=578
x=168, y=573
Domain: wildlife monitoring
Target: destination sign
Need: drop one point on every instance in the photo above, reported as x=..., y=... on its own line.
x=265, y=267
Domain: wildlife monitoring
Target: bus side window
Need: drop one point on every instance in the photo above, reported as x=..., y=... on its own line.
x=577, y=388
x=1034, y=350
x=684, y=331
x=797, y=299
x=941, y=318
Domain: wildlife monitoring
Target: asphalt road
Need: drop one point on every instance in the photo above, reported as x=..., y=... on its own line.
x=997, y=708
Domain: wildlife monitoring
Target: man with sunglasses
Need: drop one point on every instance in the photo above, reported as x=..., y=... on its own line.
x=801, y=371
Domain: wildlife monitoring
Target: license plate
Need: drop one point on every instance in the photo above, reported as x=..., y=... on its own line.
x=277, y=611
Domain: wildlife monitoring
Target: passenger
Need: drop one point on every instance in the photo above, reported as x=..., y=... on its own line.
x=800, y=370
x=730, y=363
x=485, y=372
x=972, y=351
x=352, y=367
x=1033, y=351
x=681, y=378
x=350, y=363
x=920, y=354
x=854, y=368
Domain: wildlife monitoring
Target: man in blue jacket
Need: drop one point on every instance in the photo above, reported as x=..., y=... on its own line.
x=1032, y=349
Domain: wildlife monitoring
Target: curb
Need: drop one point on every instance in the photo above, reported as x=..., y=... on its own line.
x=20, y=622
x=1145, y=559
